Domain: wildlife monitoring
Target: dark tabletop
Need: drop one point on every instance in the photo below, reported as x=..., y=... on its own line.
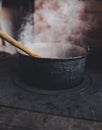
x=16, y=119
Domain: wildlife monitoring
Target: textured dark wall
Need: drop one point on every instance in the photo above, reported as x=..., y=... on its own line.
x=94, y=10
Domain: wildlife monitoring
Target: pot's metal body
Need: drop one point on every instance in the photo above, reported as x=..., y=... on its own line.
x=52, y=74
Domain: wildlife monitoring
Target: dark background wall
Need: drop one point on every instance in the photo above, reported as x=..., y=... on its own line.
x=93, y=9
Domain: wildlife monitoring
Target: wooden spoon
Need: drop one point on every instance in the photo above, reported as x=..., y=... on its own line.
x=18, y=44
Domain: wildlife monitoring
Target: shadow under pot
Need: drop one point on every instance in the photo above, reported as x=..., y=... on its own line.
x=62, y=67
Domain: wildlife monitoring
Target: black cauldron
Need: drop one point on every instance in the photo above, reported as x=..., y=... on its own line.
x=63, y=68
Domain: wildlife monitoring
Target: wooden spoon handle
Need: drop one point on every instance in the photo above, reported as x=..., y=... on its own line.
x=18, y=45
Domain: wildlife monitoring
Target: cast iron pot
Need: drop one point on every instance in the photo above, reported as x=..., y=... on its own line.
x=62, y=68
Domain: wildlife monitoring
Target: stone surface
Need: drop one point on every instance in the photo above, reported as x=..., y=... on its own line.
x=83, y=102
x=16, y=119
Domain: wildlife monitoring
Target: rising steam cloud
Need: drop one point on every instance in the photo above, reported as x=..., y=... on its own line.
x=54, y=21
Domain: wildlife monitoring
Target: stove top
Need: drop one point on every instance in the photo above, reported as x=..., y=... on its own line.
x=83, y=101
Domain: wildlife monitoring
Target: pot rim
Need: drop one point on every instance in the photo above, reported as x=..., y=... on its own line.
x=59, y=59
x=56, y=59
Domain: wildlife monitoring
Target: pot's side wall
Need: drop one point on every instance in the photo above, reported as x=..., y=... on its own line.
x=51, y=74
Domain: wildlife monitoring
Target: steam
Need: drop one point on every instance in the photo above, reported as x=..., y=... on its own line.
x=26, y=32
x=56, y=50
x=54, y=21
